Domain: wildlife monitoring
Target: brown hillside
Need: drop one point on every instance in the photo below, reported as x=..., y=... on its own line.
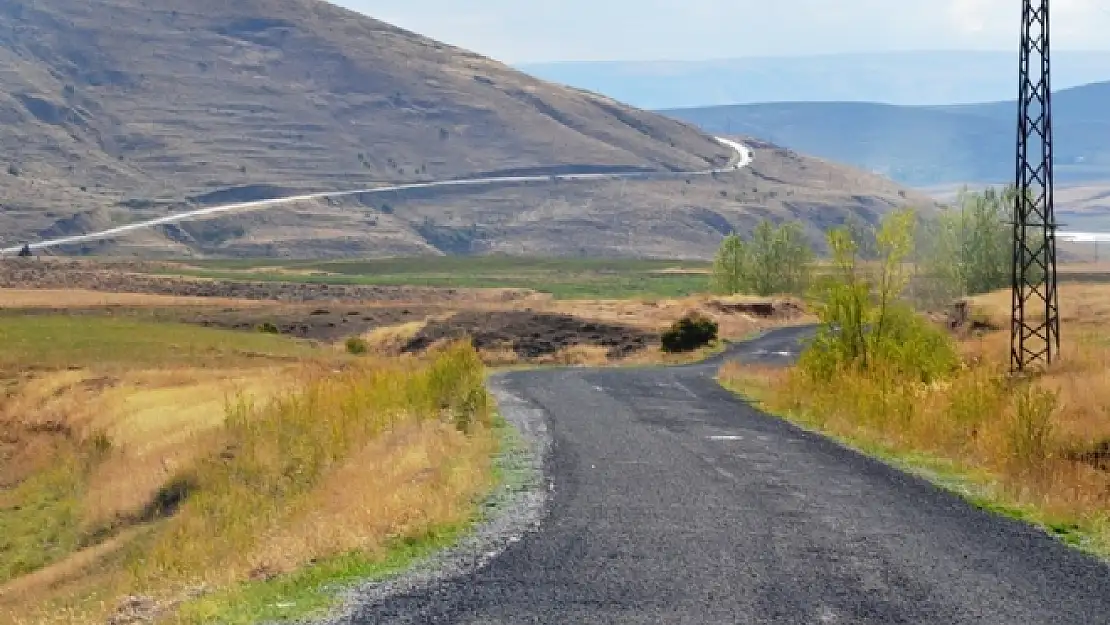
x=114, y=110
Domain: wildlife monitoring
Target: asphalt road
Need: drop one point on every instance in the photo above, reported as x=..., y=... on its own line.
x=676, y=503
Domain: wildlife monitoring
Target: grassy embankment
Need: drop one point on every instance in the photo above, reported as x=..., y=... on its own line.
x=216, y=475
x=1039, y=450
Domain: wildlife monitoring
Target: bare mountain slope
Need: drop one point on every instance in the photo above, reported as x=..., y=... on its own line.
x=108, y=106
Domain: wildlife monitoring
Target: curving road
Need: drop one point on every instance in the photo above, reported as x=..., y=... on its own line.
x=675, y=503
x=741, y=159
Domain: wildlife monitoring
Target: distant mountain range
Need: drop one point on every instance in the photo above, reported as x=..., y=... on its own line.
x=926, y=145
x=121, y=111
x=910, y=78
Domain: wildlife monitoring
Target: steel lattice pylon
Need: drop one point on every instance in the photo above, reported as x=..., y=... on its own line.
x=1035, y=319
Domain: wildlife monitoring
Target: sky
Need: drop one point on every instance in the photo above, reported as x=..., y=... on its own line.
x=522, y=31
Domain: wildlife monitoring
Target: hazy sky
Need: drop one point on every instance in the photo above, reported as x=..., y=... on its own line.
x=519, y=31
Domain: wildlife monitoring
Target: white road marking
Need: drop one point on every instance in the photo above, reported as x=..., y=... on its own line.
x=679, y=385
x=725, y=473
x=726, y=437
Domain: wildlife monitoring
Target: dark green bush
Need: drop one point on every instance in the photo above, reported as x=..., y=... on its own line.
x=268, y=328
x=689, y=333
x=356, y=345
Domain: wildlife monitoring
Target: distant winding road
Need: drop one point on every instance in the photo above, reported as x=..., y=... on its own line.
x=742, y=158
x=674, y=502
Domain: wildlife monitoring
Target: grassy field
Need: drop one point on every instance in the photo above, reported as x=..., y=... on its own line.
x=562, y=278
x=1037, y=450
x=199, y=471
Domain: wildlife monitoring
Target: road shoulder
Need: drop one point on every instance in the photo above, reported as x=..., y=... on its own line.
x=515, y=508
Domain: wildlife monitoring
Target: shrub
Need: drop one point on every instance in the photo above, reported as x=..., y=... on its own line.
x=268, y=328
x=864, y=322
x=356, y=345
x=455, y=385
x=1029, y=432
x=689, y=333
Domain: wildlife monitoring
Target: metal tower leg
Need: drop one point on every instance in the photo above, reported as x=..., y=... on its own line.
x=1035, y=319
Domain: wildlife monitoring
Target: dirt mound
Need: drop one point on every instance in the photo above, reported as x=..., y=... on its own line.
x=71, y=275
x=532, y=335
x=962, y=320
x=766, y=309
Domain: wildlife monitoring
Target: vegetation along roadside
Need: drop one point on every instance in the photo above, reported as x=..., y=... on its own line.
x=932, y=394
x=158, y=472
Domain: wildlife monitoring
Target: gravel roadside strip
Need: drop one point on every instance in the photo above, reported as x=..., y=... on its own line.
x=516, y=507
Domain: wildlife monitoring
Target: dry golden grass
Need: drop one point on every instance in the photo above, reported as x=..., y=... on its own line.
x=592, y=356
x=657, y=315
x=1082, y=306
x=420, y=475
x=156, y=421
x=1040, y=446
x=389, y=340
x=274, y=465
x=75, y=298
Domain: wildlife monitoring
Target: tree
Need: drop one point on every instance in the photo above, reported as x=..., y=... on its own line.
x=863, y=234
x=865, y=322
x=773, y=260
x=969, y=249
x=728, y=266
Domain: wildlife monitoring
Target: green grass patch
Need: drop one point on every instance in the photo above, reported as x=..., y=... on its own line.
x=564, y=278
x=55, y=341
x=313, y=590
x=40, y=520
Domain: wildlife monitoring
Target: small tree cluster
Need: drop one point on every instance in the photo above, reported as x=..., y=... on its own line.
x=865, y=323
x=968, y=249
x=774, y=260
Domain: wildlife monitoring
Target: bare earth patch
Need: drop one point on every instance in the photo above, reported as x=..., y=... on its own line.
x=65, y=274
x=532, y=335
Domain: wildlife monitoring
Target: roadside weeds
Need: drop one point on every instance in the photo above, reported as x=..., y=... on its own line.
x=384, y=458
x=1037, y=450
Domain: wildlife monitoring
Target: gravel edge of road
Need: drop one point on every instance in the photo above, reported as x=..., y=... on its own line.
x=516, y=507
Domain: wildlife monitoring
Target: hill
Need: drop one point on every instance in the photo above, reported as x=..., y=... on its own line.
x=905, y=78
x=927, y=145
x=126, y=109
